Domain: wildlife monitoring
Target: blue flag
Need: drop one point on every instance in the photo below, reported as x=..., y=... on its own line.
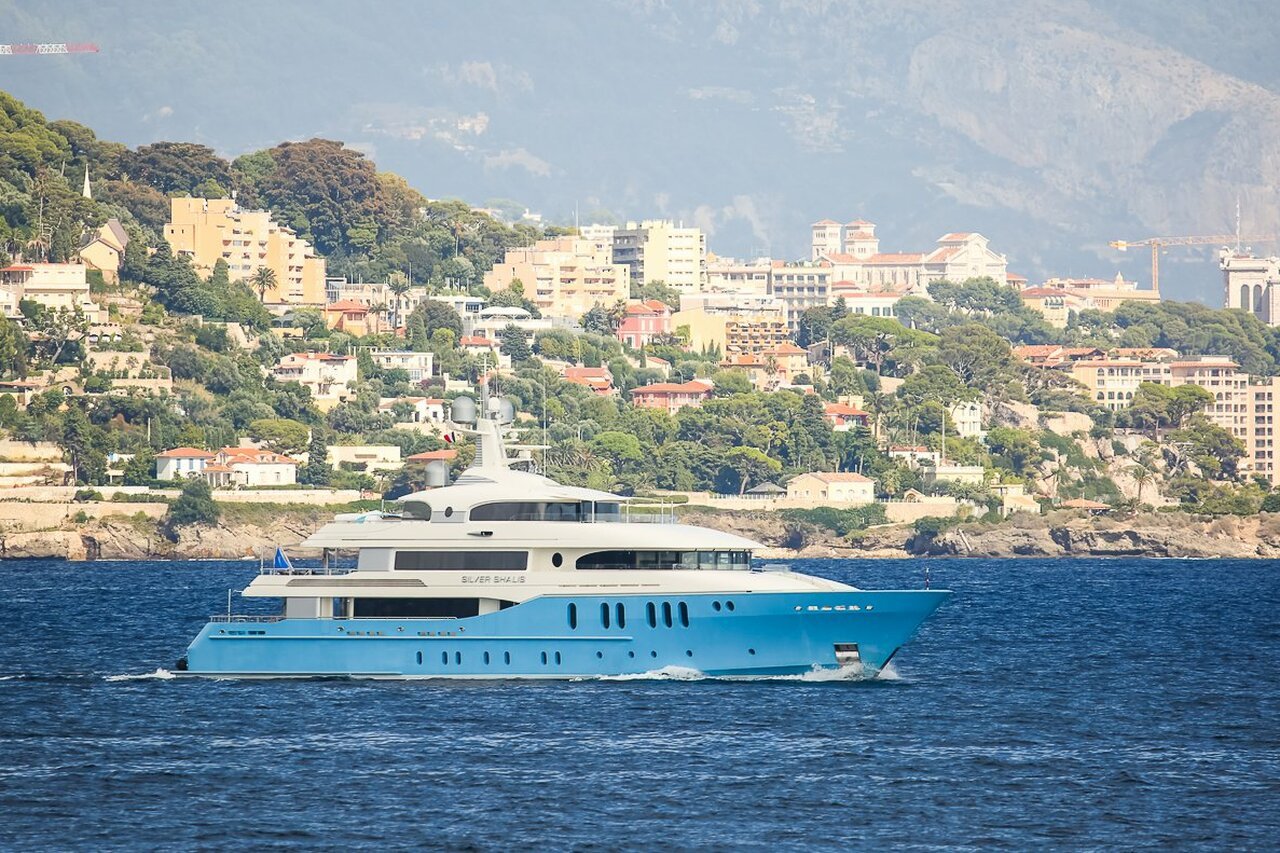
x=281, y=561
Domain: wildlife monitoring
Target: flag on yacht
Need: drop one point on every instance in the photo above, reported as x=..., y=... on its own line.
x=281, y=561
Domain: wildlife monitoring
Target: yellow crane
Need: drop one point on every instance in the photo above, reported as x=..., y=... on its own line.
x=1158, y=243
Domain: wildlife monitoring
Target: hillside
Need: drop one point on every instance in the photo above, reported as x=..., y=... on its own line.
x=1052, y=127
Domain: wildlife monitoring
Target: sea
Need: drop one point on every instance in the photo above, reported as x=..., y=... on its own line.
x=1063, y=704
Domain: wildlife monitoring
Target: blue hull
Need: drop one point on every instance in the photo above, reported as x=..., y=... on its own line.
x=578, y=636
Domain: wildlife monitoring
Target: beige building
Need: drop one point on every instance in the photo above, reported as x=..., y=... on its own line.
x=1055, y=304
x=660, y=250
x=958, y=256
x=365, y=457
x=734, y=331
x=1101, y=293
x=104, y=250
x=208, y=229
x=565, y=276
x=831, y=489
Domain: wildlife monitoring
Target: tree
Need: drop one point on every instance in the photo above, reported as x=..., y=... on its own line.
x=317, y=471
x=1142, y=476
x=597, y=321
x=1157, y=405
x=194, y=506
x=263, y=279
x=978, y=355
x=514, y=343
x=280, y=435
x=744, y=467
x=1016, y=446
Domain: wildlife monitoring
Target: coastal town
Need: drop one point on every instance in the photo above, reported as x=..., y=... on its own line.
x=184, y=337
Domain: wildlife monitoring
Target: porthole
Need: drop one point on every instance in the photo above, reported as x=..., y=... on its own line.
x=729, y=605
x=573, y=616
x=751, y=651
x=666, y=614
x=604, y=614
x=684, y=614
x=444, y=658
x=631, y=654
x=419, y=658
x=457, y=657
x=544, y=658
x=557, y=658
x=715, y=605
x=486, y=658
x=448, y=512
x=653, y=654
x=599, y=655
x=506, y=657
x=621, y=611
x=557, y=559
x=688, y=653
x=652, y=613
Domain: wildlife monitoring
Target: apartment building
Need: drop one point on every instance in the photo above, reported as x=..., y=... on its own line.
x=800, y=287
x=671, y=396
x=248, y=240
x=734, y=329
x=565, y=276
x=660, y=250
x=1100, y=293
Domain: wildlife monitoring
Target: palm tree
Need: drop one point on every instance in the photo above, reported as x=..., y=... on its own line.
x=262, y=281
x=1142, y=476
x=399, y=287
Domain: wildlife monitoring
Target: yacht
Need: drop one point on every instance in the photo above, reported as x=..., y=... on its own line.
x=506, y=573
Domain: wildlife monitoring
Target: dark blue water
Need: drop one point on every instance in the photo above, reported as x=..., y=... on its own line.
x=1052, y=703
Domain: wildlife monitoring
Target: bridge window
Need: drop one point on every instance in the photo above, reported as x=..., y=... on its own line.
x=462, y=561
x=531, y=511
x=416, y=510
x=665, y=560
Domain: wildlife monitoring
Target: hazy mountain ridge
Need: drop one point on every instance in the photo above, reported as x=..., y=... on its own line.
x=1051, y=126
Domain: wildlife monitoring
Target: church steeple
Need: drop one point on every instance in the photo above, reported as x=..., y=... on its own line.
x=87, y=192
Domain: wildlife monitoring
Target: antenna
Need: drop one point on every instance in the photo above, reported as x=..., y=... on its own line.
x=1237, y=223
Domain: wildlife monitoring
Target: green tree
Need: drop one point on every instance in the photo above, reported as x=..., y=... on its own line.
x=280, y=435
x=317, y=471
x=515, y=343
x=1018, y=447
x=195, y=506
x=263, y=280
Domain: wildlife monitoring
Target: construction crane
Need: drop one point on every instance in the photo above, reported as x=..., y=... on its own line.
x=44, y=49
x=1158, y=243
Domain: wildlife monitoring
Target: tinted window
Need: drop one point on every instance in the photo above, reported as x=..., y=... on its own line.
x=665, y=560
x=527, y=511
x=418, y=510
x=416, y=608
x=505, y=561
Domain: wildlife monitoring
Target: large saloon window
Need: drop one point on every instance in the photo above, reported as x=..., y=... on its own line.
x=416, y=608
x=665, y=560
x=462, y=561
x=531, y=511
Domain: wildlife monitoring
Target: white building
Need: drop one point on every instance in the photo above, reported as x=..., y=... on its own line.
x=426, y=414
x=967, y=417
x=1251, y=284
x=55, y=286
x=181, y=463
x=419, y=365
x=729, y=274
x=251, y=466
x=324, y=374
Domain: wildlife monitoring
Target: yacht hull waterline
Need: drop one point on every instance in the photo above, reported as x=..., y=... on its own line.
x=508, y=574
x=763, y=634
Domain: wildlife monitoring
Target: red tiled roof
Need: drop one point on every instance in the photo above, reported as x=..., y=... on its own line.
x=18, y=268
x=895, y=258
x=858, y=223
x=185, y=453
x=1042, y=291
x=601, y=373
x=826, y=222
x=786, y=348
x=840, y=257
x=955, y=236
x=693, y=386
x=433, y=455
x=1219, y=364
x=845, y=410
x=348, y=306
x=475, y=341
x=254, y=456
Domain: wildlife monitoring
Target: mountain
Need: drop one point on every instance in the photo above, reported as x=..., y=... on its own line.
x=1052, y=127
